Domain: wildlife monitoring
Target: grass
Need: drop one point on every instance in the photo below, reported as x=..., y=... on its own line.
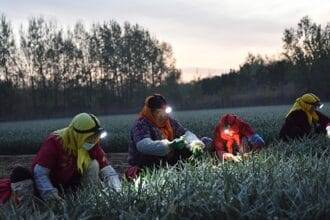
x=285, y=180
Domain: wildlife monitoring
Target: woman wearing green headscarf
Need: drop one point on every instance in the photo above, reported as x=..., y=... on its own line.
x=304, y=118
x=71, y=157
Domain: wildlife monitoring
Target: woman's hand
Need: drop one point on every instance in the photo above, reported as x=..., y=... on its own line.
x=229, y=156
x=328, y=130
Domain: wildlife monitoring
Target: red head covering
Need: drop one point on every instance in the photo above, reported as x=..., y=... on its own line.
x=237, y=129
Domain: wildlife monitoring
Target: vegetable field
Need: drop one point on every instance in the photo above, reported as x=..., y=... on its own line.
x=285, y=180
x=25, y=137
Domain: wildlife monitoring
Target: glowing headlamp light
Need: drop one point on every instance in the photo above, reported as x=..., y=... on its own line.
x=227, y=131
x=103, y=134
x=168, y=110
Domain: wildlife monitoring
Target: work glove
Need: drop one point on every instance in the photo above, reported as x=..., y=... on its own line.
x=231, y=157
x=194, y=144
x=256, y=140
x=328, y=130
x=197, y=148
x=177, y=144
x=110, y=178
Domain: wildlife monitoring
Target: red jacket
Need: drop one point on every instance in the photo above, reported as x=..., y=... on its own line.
x=5, y=190
x=223, y=141
x=63, y=165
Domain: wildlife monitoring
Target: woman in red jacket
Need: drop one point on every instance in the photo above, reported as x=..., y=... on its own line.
x=71, y=157
x=232, y=135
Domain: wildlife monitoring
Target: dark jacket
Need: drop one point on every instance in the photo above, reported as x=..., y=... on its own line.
x=296, y=125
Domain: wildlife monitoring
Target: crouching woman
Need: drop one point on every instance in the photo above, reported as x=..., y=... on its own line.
x=157, y=139
x=72, y=157
x=305, y=118
x=234, y=137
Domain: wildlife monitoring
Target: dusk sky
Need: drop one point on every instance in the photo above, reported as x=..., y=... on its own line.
x=207, y=36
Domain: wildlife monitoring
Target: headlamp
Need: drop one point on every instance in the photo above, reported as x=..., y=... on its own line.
x=103, y=134
x=226, y=131
x=168, y=110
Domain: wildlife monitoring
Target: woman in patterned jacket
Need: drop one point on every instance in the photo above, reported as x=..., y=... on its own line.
x=156, y=138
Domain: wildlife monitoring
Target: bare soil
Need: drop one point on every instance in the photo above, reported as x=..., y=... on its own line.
x=8, y=162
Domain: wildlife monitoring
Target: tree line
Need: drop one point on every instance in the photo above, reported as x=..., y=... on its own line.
x=304, y=66
x=49, y=71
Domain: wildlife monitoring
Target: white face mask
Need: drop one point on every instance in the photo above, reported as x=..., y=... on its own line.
x=88, y=146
